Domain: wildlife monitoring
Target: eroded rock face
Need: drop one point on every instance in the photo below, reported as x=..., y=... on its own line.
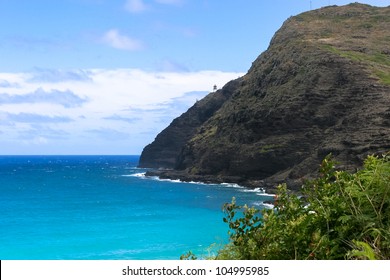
x=164, y=151
x=323, y=86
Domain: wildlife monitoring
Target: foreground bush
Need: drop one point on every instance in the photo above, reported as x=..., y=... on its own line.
x=340, y=216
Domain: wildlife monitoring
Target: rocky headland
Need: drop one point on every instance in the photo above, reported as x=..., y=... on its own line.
x=322, y=86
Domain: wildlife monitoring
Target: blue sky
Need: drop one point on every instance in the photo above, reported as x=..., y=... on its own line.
x=106, y=76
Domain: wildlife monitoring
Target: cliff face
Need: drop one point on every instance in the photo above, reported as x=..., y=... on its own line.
x=323, y=86
x=166, y=148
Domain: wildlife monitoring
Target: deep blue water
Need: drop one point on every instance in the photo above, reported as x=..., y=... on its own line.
x=100, y=207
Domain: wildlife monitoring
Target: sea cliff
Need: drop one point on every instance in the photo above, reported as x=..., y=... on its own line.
x=322, y=86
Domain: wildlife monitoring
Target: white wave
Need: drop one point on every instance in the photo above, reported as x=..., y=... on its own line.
x=170, y=180
x=156, y=178
x=197, y=183
x=268, y=205
x=231, y=185
x=266, y=194
x=139, y=175
x=264, y=205
x=256, y=190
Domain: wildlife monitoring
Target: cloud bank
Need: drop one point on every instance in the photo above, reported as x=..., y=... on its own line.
x=36, y=118
x=58, y=75
x=95, y=111
x=65, y=98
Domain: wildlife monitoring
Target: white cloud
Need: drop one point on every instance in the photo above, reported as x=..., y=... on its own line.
x=117, y=117
x=65, y=98
x=7, y=84
x=119, y=41
x=109, y=134
x=129, y=106
x=135, y=6
x=36, y=118
x=58, y=75
x=43, y=130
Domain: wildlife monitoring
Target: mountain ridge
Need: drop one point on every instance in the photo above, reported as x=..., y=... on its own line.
x=322, y=86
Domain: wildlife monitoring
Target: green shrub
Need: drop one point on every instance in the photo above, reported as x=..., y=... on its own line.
x=340, y=216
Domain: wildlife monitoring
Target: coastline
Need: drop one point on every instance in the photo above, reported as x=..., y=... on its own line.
x=249, y=185
x=157, y=175
x=268, y=186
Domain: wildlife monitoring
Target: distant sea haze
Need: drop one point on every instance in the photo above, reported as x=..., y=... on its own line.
x=102, y=207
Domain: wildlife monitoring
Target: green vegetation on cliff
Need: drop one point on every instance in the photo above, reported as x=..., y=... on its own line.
x=341, y=215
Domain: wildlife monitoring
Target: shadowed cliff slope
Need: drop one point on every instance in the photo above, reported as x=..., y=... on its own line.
x=323, y=86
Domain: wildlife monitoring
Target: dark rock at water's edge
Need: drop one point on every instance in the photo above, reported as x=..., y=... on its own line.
x=265, y=185
x=323, y=86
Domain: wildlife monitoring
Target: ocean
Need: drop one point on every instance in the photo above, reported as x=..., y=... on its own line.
x=104, y=208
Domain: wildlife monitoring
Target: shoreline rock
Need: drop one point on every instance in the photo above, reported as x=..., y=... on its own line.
x=269, y=187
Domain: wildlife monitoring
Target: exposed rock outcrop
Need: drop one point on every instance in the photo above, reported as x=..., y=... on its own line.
x=165, y=150
x=323, y=86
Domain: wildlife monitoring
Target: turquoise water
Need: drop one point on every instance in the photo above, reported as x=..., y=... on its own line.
x=101, y=207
